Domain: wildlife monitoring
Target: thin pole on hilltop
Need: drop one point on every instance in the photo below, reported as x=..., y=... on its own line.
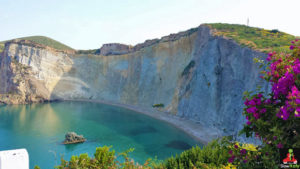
x=247, y=21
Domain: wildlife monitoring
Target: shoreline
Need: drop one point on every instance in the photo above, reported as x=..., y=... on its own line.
x=202, y=134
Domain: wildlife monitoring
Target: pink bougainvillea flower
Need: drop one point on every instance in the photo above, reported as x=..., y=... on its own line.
x=292, y=47
x=231, y=159
x=270, y=54
x=295, y=91
x=256, y=115
x=279, y=114
x=247, y=102
x=273, y=67
x=252, y=102
x=269, y=58
x=276, y=102
x=284, y=112
x=296, y=66
x=257, y=101
x=263, y=110
x=287, y=67
x=297, y=101
x=283, y=85
x=279, y=145
x=297, y=112
x=268, y=101
x=252, y=110
x=243, y=151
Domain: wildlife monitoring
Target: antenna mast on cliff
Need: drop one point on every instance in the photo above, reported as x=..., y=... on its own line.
x=247, y=21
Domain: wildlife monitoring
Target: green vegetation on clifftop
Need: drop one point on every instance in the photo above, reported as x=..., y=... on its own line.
x=89, y=51
x=1, y=47
x=43, y=40
x=48, y=42
x=255, y=38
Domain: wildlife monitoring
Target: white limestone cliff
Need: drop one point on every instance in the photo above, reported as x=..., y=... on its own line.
x=196, y=76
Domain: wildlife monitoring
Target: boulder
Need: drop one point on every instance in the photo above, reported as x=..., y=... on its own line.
x=72, y=138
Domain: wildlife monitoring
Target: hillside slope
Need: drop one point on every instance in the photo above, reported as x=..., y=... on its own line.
x=43, y=40
x=256, y=38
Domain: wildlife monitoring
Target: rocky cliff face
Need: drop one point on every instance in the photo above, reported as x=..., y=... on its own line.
x=29, y=72
x=194, y=74
x=114, y=49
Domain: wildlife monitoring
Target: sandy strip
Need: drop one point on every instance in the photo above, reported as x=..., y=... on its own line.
x=192, y=128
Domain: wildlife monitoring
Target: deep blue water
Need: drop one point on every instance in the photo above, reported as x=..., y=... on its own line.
x=40, y=128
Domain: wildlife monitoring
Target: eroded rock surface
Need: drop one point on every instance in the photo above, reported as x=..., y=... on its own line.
x=114, y=49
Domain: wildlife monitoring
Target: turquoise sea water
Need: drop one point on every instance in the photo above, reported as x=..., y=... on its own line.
x=40, y=128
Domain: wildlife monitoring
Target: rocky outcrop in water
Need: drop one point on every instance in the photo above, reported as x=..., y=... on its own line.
x=72, y=138
x=195, y=74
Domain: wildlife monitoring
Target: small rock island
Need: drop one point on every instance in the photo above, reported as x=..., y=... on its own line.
x=73, y=138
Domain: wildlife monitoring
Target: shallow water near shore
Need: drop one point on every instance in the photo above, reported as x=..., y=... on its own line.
x=40, y=128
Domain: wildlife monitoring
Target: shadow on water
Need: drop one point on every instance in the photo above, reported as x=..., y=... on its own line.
x=142, y=130
x=71, y=147
x=178, y=144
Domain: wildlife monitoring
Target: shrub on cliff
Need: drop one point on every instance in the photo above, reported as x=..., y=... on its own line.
x=274, y=117
x=158, y=105
x=213, y=155
x=1, y=47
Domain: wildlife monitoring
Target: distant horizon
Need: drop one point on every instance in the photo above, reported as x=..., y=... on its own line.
x=90, y=24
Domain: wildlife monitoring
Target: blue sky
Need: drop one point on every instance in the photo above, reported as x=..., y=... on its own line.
x=87, y=24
